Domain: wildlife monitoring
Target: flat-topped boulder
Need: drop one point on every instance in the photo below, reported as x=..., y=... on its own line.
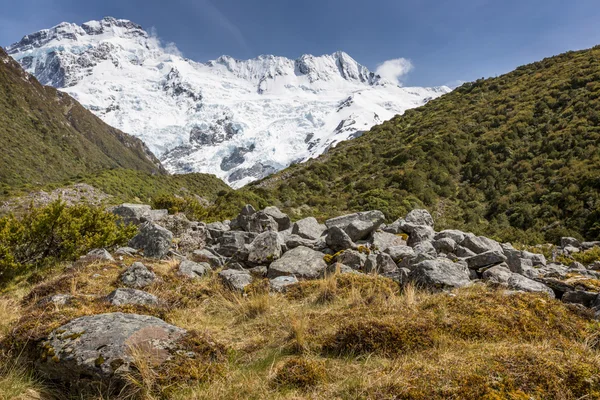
x=301, y=262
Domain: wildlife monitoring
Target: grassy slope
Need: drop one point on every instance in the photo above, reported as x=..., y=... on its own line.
x=344, y=337
x=46, y=136
x=504, y=155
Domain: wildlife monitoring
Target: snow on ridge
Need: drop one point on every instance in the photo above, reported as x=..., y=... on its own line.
x=237, y=119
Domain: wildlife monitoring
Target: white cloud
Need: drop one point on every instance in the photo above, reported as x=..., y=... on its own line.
x=395, y=69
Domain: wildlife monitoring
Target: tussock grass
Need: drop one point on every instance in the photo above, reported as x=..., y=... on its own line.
x=373, y=339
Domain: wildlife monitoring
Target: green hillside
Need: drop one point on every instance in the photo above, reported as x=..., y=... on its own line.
x=46, y=136
x=508, y=156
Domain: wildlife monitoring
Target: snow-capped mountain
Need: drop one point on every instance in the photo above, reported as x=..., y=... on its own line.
x=239, y=120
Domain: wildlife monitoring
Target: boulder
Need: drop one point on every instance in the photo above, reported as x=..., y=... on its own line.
x=590, y=245
x=519, y=282
x=359, y=225
x=395, y=227
x=57, y=300
x=215, y=230
x=207, y=256
x=444, y=245
x=193, y=269
x=265, y=249
x=93, y=353
x=281, y=283
x=132, y=213
x=338, y=268
x=352, y=258
x=486, y=259
x=383, y=240
x=418, y=233
x=301, y=262
x=463, y=252
x=241, y=221
x=193, y=239
x=410, y=261
x=582, y=297
x=456, y=235
x=480, y=244
x=439, y=273
x=260, y=222
x=153, y=239
x=398, y=253
x=337, y=239
x=233, y=241
x=419, y=217
x=308, y=228
x=138, y=276
x=499, y=274
x=283, y=221
x=381, y=263
x=176, y=223
x=293, y=241
x=126, y=251
x=260, y=271
x=425, y=248
x=236, y=279
x=121, y=297
x=569, y=242
x=96, y=255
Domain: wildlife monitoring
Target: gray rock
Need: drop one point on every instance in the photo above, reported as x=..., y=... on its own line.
x=419, y=217
x=395, y=227
x=132, y=213
x=440, y=273
x=381, y=263
x=519, y=282
x=486, y=259
x=595, y=266
x=236, y=279
x=138, y=276
x=383, y=240
x=463, y=252
x=398, y=253
x=281, y=283
x=207, y=256
x=126, y=251
x=499, y=274
x=399, y=276
x=153, y=239
x=308, y=228
x=590, y=245
x=93, y=353
x=337, y=239
x=96, y=255
x=425, y=248
x=121, y=297
x=584, y=298
x=260, y=222
x=216, y=229
x=359, y=225
x=265, y=249
x=176, y=223
x=576, y=266
x=571, y=249
x=293, y=241
x=444, y=245
x=418, y=233
x=338, y=268
x=352, y=258
x=480, y=244
x=57, y=300
x=569, y=242
x=193, y=269
x=283, y=221
x=410, y=261
x=193, y=239
x=301, y=262
x=456, y=235
x=260, y=271
x=241, y=221
x=233, y=241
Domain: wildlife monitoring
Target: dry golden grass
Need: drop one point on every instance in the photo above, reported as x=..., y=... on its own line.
x=373, y=339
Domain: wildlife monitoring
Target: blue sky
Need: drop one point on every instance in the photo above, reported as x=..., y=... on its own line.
x=445, y=40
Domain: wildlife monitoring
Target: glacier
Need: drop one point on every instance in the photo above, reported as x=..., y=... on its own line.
x=237, y=119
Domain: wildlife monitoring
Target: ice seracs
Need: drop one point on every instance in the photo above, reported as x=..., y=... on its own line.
x=238, y=119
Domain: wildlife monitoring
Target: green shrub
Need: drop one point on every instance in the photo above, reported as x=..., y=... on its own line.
x=190, y=206
x=55, y=232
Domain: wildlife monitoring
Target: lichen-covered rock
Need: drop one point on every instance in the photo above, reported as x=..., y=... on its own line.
x=337, y=239
x=56, y=300
x=260, y=222
x=301, y=262
x=208, y=256
x=265, y=249
x=132, y=213
x=281, y=283
x=419, y=217
x=308, y=228
x=445, y=245
x=352, y=258
x=454, y=234
x=398, y=253
x=359, y=225
x=236, y=279
x=486, y=259
x=292, y=241
x=193, y=269
x=283, y=221
x=440, y=273
x=381, y=263
x=480, y=244
x=234, y=241
x=96, y=255
x=418, y=233
x=94, y=353
x=138, y=276
x=153, y=239
x=120, y=297
x=383, y=240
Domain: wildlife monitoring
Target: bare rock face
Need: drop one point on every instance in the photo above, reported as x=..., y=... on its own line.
x=93, y=353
